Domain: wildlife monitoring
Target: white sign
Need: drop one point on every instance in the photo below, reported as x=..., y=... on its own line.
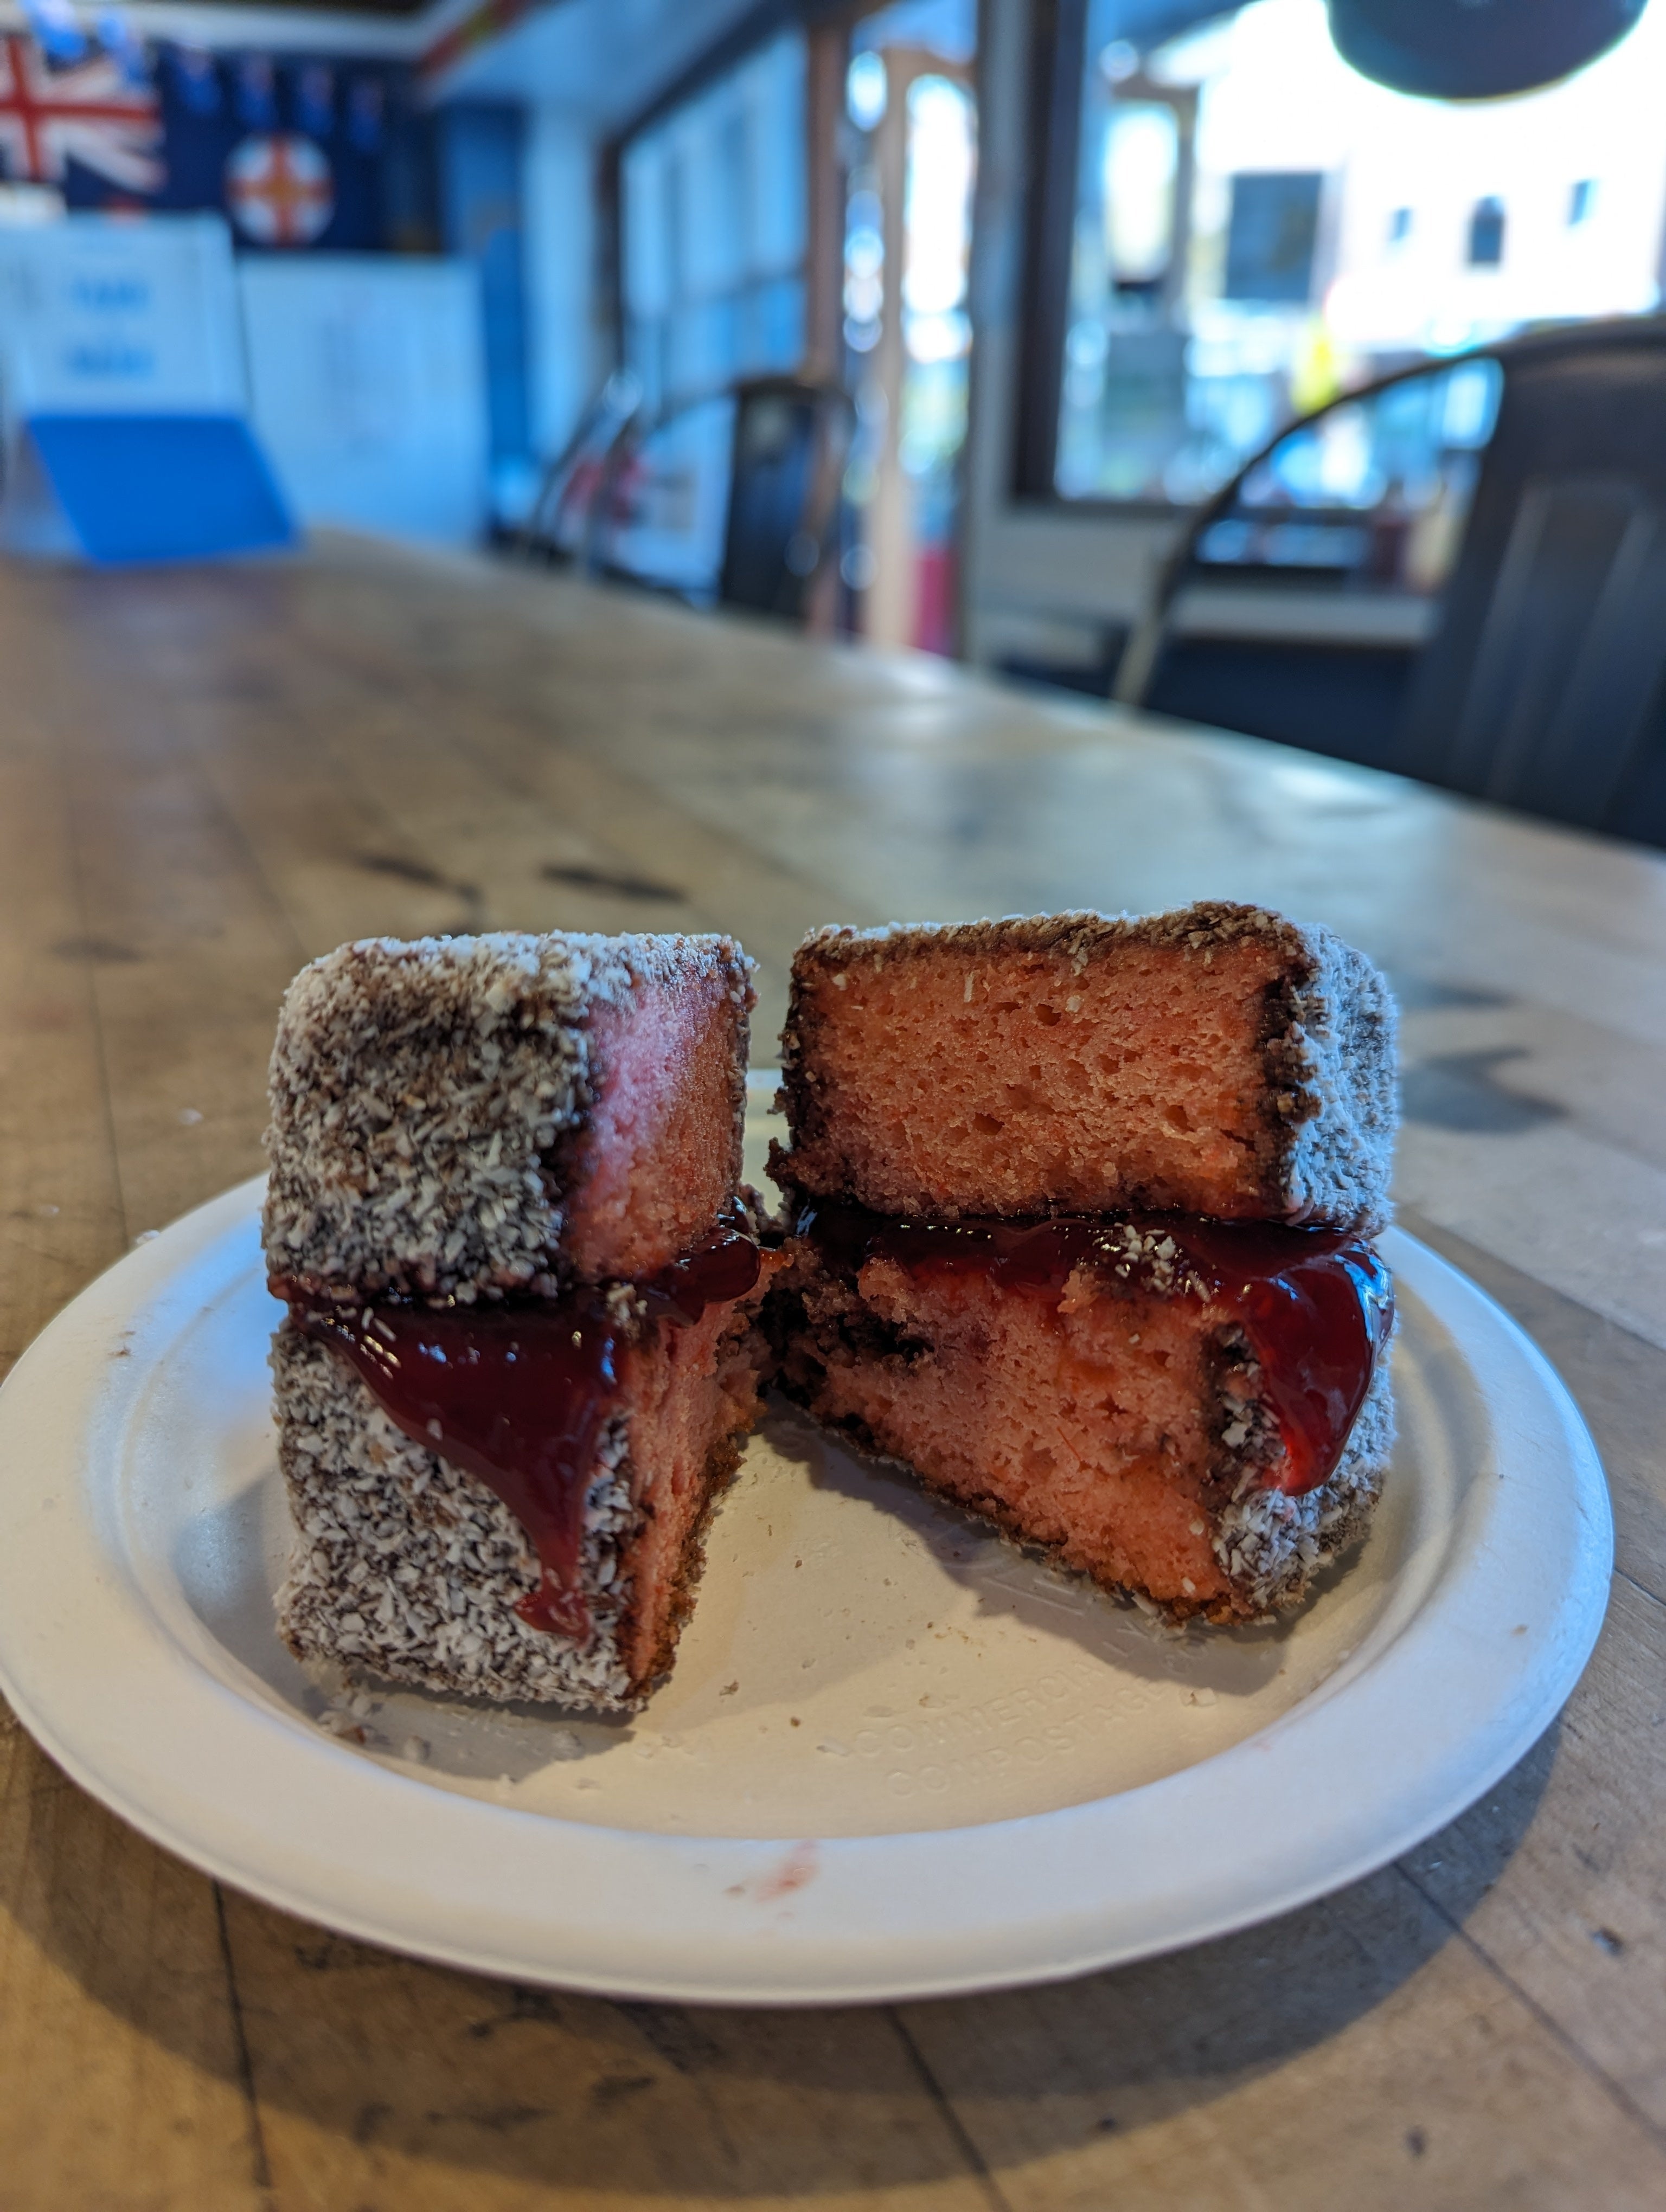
x=367, y=389
x=102, y=315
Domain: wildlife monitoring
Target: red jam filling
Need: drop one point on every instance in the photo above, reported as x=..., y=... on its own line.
x=1315, y=1305
x=518, y=1392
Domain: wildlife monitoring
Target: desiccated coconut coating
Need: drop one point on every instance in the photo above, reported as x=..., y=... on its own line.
x=1218, y=1060
x=1272, y=1545
x=410, y=1569
x=463, y=1115
x=407, y=1567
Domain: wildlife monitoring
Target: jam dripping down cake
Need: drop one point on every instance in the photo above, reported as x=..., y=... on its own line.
x=519, y=1359
x=1082, y=1213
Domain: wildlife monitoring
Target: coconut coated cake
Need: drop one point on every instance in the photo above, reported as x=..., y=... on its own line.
x=1082, y=1213
x=1219, y=1060
x=518, y=1360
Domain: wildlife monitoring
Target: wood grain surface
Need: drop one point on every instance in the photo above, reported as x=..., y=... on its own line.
x=208, y=777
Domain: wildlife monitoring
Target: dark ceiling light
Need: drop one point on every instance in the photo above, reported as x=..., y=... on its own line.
x=1476, y=49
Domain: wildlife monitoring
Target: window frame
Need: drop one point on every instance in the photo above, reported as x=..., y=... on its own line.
x=826, y=26
x=1057, y=58
x=1044, y=578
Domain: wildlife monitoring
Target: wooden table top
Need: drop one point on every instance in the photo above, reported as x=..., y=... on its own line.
x=208, y=777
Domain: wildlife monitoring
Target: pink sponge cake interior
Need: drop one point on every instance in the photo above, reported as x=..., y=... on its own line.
x=659, y=1156
x=1218, y=1061
x=1198, y=1413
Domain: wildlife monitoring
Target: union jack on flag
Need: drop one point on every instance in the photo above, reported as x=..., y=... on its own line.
x=90, y=112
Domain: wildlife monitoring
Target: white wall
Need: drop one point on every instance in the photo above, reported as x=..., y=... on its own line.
x=567, y=349
x=277, y=28
x=368, y=389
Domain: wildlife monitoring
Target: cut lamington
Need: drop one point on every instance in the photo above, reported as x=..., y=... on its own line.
x=518, y=1358
x=1219, y=1060
x=1083, y=1210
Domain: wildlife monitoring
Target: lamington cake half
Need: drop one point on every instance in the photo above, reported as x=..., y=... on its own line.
x=503, y=1212
x=1083, y=1212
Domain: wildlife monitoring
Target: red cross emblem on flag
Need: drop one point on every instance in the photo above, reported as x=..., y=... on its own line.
x=88, y=112
x=279, y=190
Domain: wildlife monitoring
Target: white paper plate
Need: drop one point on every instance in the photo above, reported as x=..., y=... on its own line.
x=895, y=1758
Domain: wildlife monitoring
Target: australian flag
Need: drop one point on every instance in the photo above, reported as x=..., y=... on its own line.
x=110, y=142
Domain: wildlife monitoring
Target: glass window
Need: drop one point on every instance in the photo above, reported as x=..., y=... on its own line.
x=712, y=216
x=1487, y=234
x=1258, y=228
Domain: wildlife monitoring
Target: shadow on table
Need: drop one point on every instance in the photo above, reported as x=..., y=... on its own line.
x=362, y=2061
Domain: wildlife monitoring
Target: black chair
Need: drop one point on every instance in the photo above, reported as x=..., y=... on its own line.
x=1543, y=685
x=790, y=442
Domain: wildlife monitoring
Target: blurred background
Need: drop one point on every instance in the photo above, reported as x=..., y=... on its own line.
x=975, y=328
